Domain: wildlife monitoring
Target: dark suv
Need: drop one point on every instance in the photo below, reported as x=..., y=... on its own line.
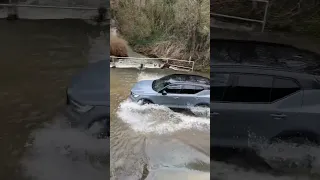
x=252, y=103
x=88, y=99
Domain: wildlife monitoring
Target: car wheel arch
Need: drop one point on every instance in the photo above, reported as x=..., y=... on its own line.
x=146, y=99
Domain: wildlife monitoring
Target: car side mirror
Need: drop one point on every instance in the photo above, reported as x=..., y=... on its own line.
x=164, y=92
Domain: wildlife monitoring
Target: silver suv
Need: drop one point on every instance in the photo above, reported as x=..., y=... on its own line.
x=180, y=91
x=266, y=104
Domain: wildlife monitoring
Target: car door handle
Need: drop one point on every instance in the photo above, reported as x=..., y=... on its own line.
x=278, y=116
x=175, y=97
x=215, y=113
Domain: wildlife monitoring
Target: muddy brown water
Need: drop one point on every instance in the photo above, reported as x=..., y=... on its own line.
x=38, y=58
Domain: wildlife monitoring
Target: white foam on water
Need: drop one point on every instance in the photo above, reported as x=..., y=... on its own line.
x=185, y=174
x=148, y=76
x=201, y=111
x=136, y=63
x=159, y=119
x=57, y=152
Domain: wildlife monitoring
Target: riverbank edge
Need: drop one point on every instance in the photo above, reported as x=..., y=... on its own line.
x=205, y=70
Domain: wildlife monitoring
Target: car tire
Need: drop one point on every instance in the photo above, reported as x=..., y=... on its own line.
x=144, y=102
x=99, y=129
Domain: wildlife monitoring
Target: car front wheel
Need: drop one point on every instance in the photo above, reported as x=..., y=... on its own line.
x=144, y=102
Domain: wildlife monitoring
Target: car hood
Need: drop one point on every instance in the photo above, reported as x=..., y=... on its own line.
x=144, y=86
x=92, y=85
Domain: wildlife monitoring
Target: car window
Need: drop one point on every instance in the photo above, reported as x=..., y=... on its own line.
x=191, y=89
x=173, y=89
x=282, y=88
x=218, y=84
x=249, y=88
x=159, y=84
x=188, y=89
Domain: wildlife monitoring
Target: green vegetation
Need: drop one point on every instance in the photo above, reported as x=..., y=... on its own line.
x=177, y=29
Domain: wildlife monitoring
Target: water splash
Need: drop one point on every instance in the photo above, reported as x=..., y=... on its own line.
x=148, y=76
x=58, y=152
x=159, y=119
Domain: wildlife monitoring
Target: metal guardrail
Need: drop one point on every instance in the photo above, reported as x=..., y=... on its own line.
x=44, y=6
x=262, y=21
x=98, y=13
x=165, y=60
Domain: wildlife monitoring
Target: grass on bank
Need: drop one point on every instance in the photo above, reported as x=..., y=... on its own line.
x=177, y=29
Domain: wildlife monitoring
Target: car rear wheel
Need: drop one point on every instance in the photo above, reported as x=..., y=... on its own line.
x=99, y=129
x=144, y=102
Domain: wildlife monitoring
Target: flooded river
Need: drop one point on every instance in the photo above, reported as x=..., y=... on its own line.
x=153, y=142
x=38, y=58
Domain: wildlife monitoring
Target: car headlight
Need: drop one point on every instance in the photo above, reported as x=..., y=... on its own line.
x=134, y=95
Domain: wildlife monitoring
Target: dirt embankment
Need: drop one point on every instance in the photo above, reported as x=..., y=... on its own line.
x=173, y=29
x=118, y=46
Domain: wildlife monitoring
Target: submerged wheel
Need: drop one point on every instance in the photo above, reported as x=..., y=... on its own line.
x=144, y=102
x=99, y=129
